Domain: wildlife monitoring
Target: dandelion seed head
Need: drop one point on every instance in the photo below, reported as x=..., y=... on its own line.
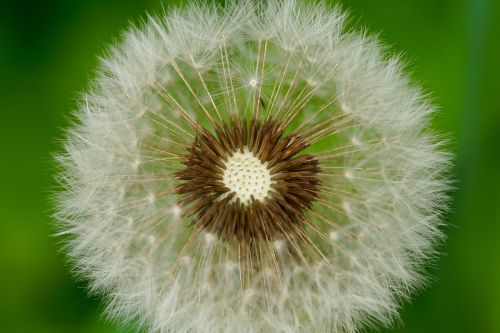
x=253, y=168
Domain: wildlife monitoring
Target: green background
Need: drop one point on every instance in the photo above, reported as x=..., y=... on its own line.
x=48, y=54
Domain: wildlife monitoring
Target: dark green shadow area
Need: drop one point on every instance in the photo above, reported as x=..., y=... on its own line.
x=48, y=54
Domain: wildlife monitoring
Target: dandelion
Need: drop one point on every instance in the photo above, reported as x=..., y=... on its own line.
x=253, y=168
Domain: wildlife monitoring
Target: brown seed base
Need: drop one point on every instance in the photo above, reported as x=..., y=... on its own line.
x=216, y=209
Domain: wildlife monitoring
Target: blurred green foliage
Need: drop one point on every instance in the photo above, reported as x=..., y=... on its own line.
x=48, y=54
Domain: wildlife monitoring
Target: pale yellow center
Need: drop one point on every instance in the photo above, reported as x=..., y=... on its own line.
x=246, y=175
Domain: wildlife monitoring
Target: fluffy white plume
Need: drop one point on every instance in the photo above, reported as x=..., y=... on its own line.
x=381, y=181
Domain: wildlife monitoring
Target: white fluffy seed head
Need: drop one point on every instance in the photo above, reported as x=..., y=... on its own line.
x=360, y=246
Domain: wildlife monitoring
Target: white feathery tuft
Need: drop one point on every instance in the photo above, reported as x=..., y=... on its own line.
x=382, y=181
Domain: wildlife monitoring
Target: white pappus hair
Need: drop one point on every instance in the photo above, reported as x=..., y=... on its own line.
x=254, y=168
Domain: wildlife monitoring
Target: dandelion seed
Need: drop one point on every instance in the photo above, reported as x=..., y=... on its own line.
x=253, y=83
x=252, y=169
